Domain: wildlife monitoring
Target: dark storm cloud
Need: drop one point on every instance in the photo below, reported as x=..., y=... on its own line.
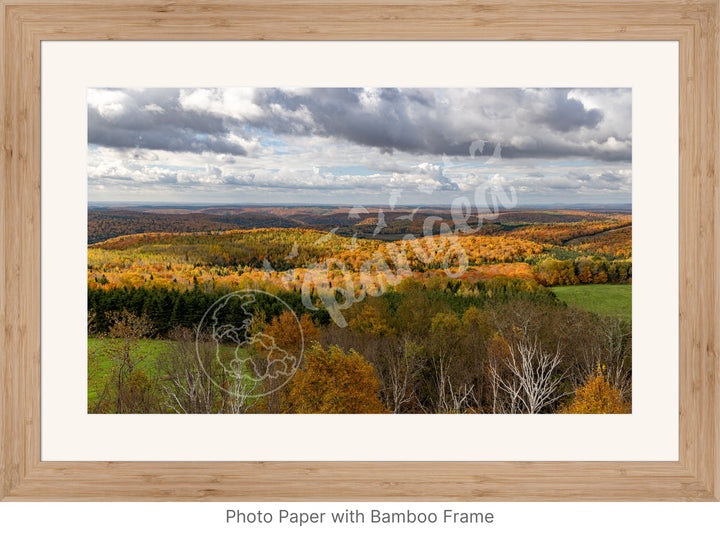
x=513, y=123
x=155, y=120
x=551, y=123
x=389, y=119
x=563, y=113
x=557, y=149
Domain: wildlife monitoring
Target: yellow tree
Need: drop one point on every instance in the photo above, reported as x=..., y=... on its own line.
x=597, y=396
x=370, y=321
x=289, y=335
x=334, y=382
x=293, y=335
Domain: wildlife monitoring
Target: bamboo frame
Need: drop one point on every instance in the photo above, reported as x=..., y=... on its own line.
x=694, y=24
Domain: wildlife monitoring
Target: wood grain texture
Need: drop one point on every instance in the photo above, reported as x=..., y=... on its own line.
x=694, y=24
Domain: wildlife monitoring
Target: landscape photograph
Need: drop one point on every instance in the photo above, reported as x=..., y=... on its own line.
x=359, y=250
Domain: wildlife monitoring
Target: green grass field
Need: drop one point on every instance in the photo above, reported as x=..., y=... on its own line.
x=605, y=299
x=100, y=364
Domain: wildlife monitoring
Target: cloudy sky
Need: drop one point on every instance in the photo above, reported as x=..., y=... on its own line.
x=359, y=145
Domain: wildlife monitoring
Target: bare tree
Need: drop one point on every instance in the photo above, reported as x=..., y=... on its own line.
x=505, y=388
x=449, y=398
x=242, y=392
x=451, y=387
x=188, y=370
x=610, y=351
x=128, y=385
x=398, y=363
x=440, y=382
x=527, y=379
x=462, y=400
x=398, y=385
x=199, y=378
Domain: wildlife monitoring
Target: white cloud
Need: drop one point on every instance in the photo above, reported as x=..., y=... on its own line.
x=306, y=144
x=232, y=102
x=110, y=104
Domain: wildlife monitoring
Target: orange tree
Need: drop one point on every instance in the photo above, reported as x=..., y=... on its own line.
x=597, y=396
x=291, y=332
x=333, y=381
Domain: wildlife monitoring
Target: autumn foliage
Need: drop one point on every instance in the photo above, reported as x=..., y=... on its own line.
x=597, y=396
x=334, y=382
x=388, y=318
x=292, y=333
x=558, y=234
x=369, y=321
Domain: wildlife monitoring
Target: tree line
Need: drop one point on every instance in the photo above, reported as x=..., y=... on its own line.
x=439, y=346
x=582, y=270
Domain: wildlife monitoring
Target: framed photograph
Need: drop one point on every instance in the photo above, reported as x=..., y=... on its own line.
x=288, y=253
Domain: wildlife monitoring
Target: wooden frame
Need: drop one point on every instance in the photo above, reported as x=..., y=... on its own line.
x=694, y=24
